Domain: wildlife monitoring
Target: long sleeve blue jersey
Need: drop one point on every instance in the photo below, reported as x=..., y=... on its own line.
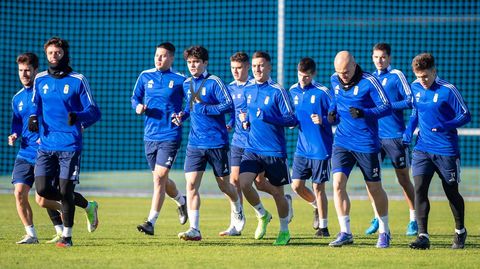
x=314, y=140
x=269, y=110
x=207, y=124
x=441, y=107
x=21, y=106
x=398, y=91
x=162, y=93
x=360, y=134
x=53, y=99
x=240, y=135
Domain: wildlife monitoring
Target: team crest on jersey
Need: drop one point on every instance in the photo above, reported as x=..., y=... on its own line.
x=355, y=90
x=204, y=91
x=170, y=85
x=20, y=106
x=233, y=97
x=435, y=98
x=239, y=96
x=249, y=98
x=45, y=89
x=267, y=99
x=150, y=84
x=417, y=97
x=384, y=82
x=66, y=89
x=312, y=99
x=295, y=100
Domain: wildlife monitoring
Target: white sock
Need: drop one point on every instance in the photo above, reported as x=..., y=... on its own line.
x=179, y=199
x=374, y=210
x=67, y=232
x=30, y=230
x=314, y=204
x=460, y=231
x=344, y=222
x=194, y=219
x=412, y=215
x=283, y=224
x=259, y=210
x=236, y=206
x=323, y=223
x=383, y=224
x=424, y=234
x=153, y=216
x=59, y=228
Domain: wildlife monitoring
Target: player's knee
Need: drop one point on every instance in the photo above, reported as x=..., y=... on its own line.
x=20, y=195
x=296, y=187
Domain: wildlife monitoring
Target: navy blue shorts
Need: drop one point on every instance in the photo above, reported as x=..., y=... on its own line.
x=343, y=161
x=23, y=172
x=196, y=160
x=236, y=155
x=161, y=153
x=305, y=168
x=275, y=168
x=396, y=151
x=447, y=167
x=65, y=164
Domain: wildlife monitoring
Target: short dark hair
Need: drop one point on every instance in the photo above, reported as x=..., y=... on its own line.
x=168, y=46
x=423, y=61
x=28, y=58
x=240, y=56
x=307, y=65
x=57, y=42
x=262, y=54
x=383, y=47
x=197, y=52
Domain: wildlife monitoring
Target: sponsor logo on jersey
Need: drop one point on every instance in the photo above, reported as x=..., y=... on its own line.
x=20, y=106
x=336, y=89
x=45, y=89
x=170, y=85
x=417, y=97
x=295, y=100
x=239, y=96
x=150, y=84
x=249, y=98
x=66, y=89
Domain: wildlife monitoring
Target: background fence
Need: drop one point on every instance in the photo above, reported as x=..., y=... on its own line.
x=112, y=41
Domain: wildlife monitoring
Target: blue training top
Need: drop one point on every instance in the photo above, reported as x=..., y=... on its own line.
x=22, y=106
x=360, y=134
x=314, y=140
x=162, y=93
x=240, y=135
x=438, y=112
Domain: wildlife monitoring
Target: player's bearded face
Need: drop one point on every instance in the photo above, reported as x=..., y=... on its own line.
x=54, y=54
x=27, y=74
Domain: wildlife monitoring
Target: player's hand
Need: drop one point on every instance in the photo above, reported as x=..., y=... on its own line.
x=12, y=138
x=356, y=112
x=177, y=118
x=72, y=118
x=242, y=116
x=316, y=119
x=259, y=113
x=332, y=117
x=229, y=128
x=406, y=140
x=438, y=128
x=245, y=125
x=33, y=124
x=140, y=109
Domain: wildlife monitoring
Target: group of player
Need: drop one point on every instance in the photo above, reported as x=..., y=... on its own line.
x=367, y=109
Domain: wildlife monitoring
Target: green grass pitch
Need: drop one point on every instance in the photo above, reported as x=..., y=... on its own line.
x=117, y=243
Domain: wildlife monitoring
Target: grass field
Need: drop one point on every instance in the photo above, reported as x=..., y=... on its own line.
x=117, y=243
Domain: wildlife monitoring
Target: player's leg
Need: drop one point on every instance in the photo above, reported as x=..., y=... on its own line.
x=179, y=198
x=235, y=160
x=195, y=164
x=53, y=210
x=342, y=164
x=321, y=175
x=218, y=159
x=369, y=164
x=22, y=180
x=423, y=169
x=301, y=171
x=449, y=171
